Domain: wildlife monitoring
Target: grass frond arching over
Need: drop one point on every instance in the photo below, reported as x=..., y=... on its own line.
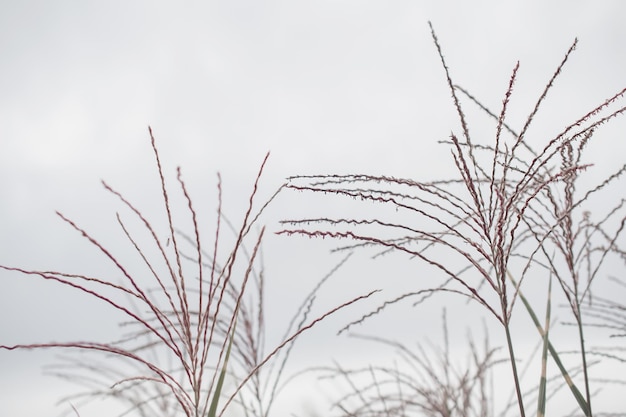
x=183, y=342
x=512, y=208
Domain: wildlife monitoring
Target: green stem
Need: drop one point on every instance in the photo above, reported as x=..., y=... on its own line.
x=518, y=391
x=584, y=357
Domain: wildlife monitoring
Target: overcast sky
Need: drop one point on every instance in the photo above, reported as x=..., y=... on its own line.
x=326, y=86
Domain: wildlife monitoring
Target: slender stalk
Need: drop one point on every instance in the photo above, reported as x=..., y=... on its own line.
x=583, y=355
x=518, y=391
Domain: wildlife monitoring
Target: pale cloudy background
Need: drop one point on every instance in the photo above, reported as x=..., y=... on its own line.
x=326, y=86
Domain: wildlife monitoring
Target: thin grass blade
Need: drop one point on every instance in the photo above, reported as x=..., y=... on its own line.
x=580, y=399
x=541, y=404
x=220, y=382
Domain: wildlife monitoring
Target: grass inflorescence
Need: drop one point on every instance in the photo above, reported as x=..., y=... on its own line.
x=189, y=327
x=512, y=211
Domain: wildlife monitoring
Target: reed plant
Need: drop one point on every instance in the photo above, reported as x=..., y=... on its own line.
x=195, y=332
x=513, y=217
x=513, y=213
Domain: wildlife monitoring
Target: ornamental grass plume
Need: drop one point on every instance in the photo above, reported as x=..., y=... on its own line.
x=511, y=211
x=194, y=346
x=423, y=380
